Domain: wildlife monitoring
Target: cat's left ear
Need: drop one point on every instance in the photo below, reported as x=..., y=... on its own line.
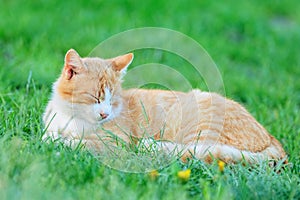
x=121, y=63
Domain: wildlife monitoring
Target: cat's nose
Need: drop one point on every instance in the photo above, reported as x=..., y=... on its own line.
x=103, y=115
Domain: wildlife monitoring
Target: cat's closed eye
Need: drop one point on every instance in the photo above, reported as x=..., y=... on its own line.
x=94, y=98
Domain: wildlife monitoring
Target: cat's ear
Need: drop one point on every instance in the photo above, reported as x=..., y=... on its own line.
x=121, y=63
x=73, y=64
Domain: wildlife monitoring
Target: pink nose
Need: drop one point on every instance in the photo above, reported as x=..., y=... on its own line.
x=103, y=115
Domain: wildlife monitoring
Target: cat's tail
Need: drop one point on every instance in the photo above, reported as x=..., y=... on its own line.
x=209, y=151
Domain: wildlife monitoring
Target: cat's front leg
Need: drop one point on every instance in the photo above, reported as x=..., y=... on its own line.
x=57, y=137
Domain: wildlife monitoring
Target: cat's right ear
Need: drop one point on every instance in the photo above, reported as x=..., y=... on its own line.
x=73, y=64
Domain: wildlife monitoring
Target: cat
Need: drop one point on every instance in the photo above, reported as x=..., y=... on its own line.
x=88, y=100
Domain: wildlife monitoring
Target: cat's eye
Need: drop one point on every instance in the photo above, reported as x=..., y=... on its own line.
x=97, y=100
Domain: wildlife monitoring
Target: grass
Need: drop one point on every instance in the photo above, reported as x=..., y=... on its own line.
x=255, y=46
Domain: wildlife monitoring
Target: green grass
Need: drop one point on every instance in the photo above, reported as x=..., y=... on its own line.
x=256, y=48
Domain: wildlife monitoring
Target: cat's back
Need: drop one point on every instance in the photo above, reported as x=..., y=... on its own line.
x=215, y=116
x=230, y=123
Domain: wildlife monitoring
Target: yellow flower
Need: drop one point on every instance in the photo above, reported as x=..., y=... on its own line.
x=153, y=174
x=184, y=174
x=221, y=165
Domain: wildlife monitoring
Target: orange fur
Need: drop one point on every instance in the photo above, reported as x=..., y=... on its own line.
x=205, y=124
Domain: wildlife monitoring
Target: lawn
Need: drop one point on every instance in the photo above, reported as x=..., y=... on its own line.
x=254, y=44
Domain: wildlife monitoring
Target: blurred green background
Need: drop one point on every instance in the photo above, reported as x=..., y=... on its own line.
x=255, y=45
x=248, y=40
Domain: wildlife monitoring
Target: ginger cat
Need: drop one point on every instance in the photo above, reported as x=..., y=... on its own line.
x=88, y=100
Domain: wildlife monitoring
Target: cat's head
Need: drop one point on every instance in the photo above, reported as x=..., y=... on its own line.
x=93, y=85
